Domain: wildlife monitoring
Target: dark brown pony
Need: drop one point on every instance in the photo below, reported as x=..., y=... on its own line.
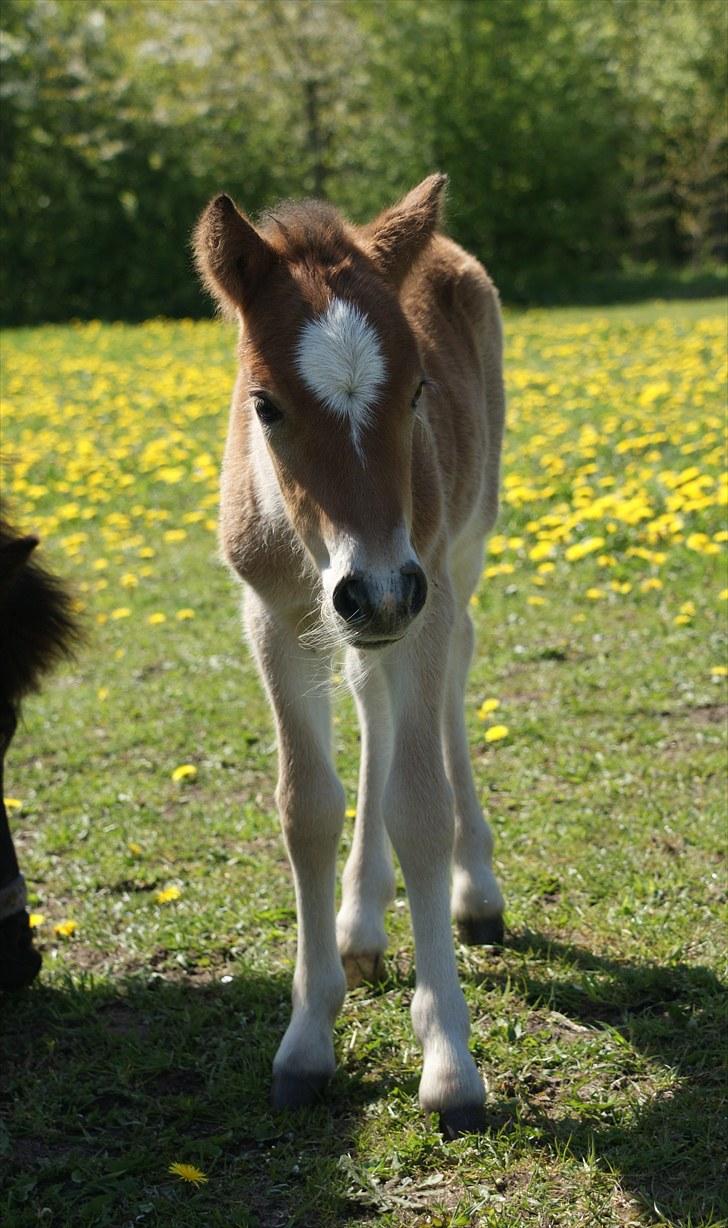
x=37, y=629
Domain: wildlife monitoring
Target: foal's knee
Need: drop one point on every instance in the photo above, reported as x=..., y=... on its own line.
x=311, y=802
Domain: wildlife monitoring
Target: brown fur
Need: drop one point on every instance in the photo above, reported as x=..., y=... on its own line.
x=432, y=322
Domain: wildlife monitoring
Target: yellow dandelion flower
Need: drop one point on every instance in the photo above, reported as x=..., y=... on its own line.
x=12, y=803
x=535, y=599
x=682, y=620
x=134, y=848
x=155, y=619
x=723, y=594
x=185, y=771
x=175, y=535
x=580, y=549
x=496, y=733
x=185, y=614
x=351, y=812
x=189, y=1173
x=594, y=594
x=719, y=671
x=167, y=895
x=102, y=693
x=650, y=584
x=35, y=919
x=688, y=607
x=488, y=706
x=65, y=929
x=122, y=612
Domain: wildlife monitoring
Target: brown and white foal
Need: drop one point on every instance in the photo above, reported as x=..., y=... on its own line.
x=360, y=478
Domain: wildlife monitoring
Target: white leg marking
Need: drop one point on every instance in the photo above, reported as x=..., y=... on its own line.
x=311, y=804
x=419, y=814
x=475, y=892
x=368, y=881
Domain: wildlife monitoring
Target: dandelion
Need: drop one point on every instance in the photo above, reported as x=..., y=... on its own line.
x=155, y=619
x=167, y=895
x=189, y=1173
x=488, y=706
x=102, y=693
x=496, y=733
x=122, y=612
x=185, y=771
x=12, y=804
x=184, y=615
x=65, y=929
x=351, y=812
x=134, y=848
x=35, y=919
x=594, y=594
x=719, y=671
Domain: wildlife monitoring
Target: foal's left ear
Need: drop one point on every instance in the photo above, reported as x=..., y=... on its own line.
x=400, y=234
x=231, y=257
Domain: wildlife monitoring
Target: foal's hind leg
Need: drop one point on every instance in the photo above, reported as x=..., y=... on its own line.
x=311, y=804
x=368, y=880
x=477, y=903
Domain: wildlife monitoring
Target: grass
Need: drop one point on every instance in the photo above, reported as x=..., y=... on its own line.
x=149, y=1037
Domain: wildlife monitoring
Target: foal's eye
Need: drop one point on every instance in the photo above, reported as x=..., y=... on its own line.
x=418, y=393
x=266, y=410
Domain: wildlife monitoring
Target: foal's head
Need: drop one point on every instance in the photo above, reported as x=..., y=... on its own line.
x=331, y=375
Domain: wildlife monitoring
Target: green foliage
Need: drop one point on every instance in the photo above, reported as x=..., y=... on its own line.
x=575, y=135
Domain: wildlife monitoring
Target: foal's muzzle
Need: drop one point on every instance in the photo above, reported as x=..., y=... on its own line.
x=380, y=613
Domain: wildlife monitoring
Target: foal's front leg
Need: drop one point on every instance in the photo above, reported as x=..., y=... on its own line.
x=311, y=804
x=368, y=882
x=418, y=806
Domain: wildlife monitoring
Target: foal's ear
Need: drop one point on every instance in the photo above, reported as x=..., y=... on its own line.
x=231, y=257
x=400, y=234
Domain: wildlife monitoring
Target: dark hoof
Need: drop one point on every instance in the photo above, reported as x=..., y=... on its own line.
x=364, y=970
x=468, y=1119
x=19, y=961
x=294, y=1091
x=482, y=931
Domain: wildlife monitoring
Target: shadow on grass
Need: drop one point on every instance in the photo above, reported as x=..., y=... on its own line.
x=670, y=1150
x=110, y=1083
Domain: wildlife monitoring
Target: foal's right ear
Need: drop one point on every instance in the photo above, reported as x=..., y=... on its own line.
x=231, y=257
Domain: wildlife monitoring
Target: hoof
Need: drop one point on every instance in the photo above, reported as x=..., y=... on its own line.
x=467, y=1119
x=19, y=961
x=364, y=970
x=295, y=1091
x=482, y=931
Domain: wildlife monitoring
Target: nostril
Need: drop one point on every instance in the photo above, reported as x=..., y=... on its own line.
x=350, y=600
x=415, y=587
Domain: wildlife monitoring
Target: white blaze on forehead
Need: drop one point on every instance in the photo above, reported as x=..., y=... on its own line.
x=340, y=360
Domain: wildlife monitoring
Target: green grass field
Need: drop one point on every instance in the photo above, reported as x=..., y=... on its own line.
x=164, y=907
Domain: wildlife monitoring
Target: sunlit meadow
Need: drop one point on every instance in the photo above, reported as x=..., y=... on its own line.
x=141, y=787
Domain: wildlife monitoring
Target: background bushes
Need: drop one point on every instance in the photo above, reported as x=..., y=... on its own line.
x=585, y=142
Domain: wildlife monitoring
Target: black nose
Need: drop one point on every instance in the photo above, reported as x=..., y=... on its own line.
x=414, y=586
x=351, y=600
x=380, y=610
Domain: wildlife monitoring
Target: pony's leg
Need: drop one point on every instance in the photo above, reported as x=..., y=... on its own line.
x=368, y=880
x=418, y=808
x=477, y=903
x=311, y=804
x=19, y=961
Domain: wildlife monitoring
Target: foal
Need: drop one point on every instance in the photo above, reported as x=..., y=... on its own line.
x=359, y=480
